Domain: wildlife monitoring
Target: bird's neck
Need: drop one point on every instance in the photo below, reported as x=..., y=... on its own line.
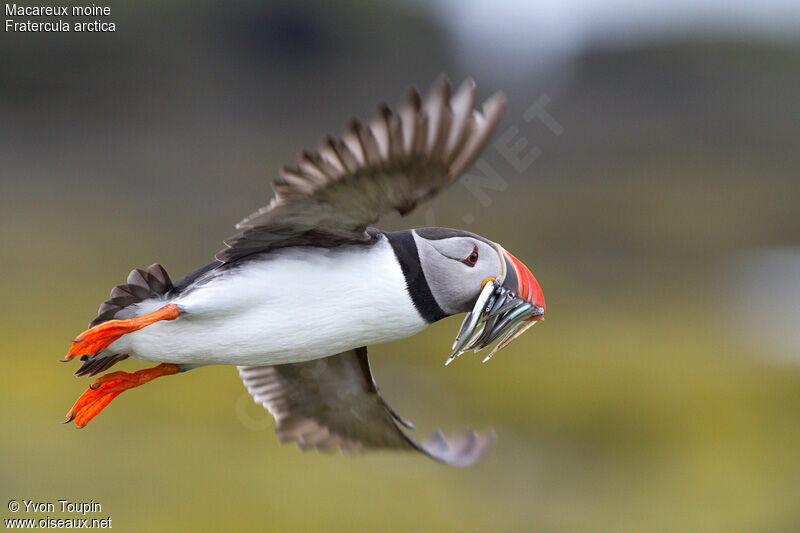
x=405, y=250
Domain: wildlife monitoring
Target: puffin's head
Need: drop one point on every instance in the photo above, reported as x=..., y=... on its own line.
x=467, y=273
x=457, y=264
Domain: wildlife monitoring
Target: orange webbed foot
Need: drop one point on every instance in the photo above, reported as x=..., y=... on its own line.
x=98, y=338
x=106, y=388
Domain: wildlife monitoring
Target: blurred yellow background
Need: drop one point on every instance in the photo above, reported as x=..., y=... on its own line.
x=659, y=207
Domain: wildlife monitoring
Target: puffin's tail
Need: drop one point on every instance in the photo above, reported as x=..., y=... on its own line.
x=104, y=329
x=91, y=345
x=141, y=285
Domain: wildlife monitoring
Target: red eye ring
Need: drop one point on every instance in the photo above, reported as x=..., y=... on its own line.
x=472, y=258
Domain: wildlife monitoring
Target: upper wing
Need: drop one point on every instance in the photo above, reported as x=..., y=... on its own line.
x=391, y=163
x=333, y=403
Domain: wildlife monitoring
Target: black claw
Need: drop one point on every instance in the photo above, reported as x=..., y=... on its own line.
x=64, y=360
x=76, y=341
x=70, y=419
x=95, y=386
x=80, y=427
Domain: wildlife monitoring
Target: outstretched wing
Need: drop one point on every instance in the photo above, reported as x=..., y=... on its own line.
x=333, y=403
x=395, y=161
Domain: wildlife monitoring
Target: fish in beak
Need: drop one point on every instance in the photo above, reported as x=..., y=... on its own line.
x=505, y=308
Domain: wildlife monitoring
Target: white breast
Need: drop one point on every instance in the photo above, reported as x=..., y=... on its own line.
x=297, y=304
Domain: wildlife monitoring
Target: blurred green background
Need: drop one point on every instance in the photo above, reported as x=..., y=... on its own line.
x=662, y=393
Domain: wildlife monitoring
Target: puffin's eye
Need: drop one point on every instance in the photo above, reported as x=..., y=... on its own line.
x=472, y=258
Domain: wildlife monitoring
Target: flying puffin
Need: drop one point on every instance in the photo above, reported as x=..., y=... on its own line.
x=296, y=296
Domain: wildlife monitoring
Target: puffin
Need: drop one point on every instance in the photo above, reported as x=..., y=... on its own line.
x=307, y=283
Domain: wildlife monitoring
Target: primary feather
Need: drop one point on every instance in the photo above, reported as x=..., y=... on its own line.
x=390, y=164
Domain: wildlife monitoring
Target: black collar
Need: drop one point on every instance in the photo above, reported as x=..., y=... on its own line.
x=405, y=249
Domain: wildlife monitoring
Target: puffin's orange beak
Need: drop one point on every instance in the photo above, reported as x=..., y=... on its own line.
x=520, y=280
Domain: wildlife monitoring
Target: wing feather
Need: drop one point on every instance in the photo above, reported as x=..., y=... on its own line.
x=333, y=403
x=390, y=163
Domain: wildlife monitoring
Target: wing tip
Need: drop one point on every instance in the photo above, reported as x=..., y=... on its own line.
x=462, y=450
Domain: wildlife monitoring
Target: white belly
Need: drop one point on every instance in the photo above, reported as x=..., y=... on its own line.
x=297, y=304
